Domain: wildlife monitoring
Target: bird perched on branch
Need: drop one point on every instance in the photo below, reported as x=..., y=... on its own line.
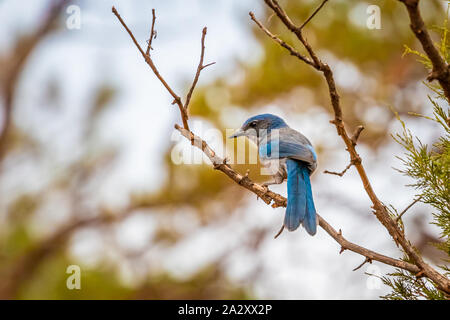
x=288, y=154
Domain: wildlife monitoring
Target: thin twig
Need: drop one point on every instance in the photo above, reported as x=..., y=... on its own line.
x=340, y=174
x=279, y=11
x=291, y=50
x=312, y=15
x=367, y=260
x=407, y=208
x=152, y=33
x=149, y=61
x=199, y=69
x=279, y=232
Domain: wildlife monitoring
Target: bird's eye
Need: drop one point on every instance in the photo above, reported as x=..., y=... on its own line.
x=253, y=124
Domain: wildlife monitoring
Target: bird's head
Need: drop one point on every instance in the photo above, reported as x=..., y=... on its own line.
x=258, y=125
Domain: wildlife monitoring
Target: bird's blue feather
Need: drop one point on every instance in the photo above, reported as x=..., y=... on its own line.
x=300, y=206
x=275, y=121
x=296, y=190
x=309, y=223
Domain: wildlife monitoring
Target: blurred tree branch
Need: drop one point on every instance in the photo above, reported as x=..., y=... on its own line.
x=14, y=63
x=26, y=265
x=266, y=195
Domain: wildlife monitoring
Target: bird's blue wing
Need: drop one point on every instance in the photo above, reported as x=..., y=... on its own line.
x=277, y=148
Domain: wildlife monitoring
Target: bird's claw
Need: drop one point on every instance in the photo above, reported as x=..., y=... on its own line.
x=265, y=186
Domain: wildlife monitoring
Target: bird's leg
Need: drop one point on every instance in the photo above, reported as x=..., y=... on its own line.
x=278, y=179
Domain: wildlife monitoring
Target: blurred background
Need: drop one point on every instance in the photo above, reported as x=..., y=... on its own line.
x=86, y=172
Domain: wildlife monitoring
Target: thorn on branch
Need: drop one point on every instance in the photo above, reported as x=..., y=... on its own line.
x=367, y=260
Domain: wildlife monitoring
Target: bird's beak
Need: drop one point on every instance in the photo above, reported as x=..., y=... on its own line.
x=238, y=133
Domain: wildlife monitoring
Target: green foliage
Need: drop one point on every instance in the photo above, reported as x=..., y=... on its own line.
x=429, y=167
x=407, y=286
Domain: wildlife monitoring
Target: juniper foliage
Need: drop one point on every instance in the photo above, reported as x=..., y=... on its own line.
x=429, y=167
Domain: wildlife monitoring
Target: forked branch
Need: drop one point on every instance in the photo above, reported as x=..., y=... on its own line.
x=146, y=55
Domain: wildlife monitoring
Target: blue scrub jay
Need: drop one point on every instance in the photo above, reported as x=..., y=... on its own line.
x=294, y=158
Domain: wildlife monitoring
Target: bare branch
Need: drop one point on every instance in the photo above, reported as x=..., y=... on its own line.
x=26, y=265
x=340, y=174
x=199, y=69
x=12, y=67
x=291, y=50
x=279, y=11
x=280, y=201
x=441, y=70
x=149, y=61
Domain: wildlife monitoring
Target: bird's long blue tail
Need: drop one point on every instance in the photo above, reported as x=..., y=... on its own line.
x=300, y=204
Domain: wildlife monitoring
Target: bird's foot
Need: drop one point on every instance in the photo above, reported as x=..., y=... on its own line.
x=266, y=187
